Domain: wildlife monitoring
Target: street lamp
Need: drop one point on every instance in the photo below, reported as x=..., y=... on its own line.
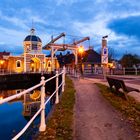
x=106, y=36
x=1, y=64
x=81, y=50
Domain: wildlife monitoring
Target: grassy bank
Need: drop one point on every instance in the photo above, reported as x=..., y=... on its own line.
x=130, y=109
x=60, y=124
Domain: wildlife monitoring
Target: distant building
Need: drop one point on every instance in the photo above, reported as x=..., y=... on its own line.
x=32, y=59
x=91, y=60
x=66, y=60
x=91, y=57
x=4, y=55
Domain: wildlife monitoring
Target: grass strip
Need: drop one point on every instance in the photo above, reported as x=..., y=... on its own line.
x=130, y=109
x=60, y=124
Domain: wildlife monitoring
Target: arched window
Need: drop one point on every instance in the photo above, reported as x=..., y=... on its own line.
x=18, y=63
x=49, y=63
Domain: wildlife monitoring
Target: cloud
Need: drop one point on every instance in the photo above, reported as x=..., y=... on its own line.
x=11, y=36
x=93, y=18
x=14, y=50
x=95, y=27
x=16, y=22
x=126, y=26
x=65, y=2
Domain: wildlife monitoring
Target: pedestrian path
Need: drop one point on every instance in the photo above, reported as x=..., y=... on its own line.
x=95, y=118
x=134, y=94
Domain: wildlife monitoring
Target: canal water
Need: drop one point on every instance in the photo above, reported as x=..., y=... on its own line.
x=15, y=114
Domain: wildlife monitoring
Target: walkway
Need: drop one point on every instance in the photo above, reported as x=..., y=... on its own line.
x=130, y=81
x=95, y=118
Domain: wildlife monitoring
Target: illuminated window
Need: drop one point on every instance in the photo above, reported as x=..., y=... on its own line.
x=18, y=63
x=28, y=47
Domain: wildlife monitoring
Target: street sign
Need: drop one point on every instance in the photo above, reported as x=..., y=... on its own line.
x=105, y=51
x=104, y=59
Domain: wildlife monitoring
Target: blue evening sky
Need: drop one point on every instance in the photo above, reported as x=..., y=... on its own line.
x=95, y=18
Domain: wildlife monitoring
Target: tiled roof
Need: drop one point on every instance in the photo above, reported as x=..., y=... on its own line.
x=32, y=38
x=92, y=57
x=4, y=54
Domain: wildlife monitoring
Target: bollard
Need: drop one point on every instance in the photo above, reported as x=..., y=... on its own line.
x=124, y=71
x=136, y=71
x=57, y=96
x=42, y=122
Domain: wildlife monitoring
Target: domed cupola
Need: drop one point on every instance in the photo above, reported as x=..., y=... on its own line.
x=32, y=43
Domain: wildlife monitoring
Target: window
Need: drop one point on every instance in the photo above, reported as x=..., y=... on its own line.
x=18, y=91
x=28, y=47
x=34, y=46
x=49, y=64
x=18, y=63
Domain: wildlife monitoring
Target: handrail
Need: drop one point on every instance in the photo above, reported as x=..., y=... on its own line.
x=19, y=94
x=43, y=103
x=26, y=91
x=53, y=94
x=27, y=125
x=32, y=119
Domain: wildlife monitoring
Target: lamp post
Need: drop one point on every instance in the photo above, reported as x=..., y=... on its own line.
x=81, y=50
x=1, y=64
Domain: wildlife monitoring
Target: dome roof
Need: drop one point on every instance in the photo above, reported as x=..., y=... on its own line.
x=32, y=38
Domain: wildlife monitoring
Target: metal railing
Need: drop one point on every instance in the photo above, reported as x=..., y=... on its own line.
x=5, y=72
x=43, y=102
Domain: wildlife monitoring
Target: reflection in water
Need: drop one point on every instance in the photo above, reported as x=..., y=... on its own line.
x=35, y=95
x=31, y=103
x=16, y=113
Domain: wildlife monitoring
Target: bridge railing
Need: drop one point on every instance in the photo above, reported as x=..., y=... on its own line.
x=43, y=102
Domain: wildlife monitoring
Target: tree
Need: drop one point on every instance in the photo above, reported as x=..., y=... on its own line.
x=111, y=53
x=128, y=60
